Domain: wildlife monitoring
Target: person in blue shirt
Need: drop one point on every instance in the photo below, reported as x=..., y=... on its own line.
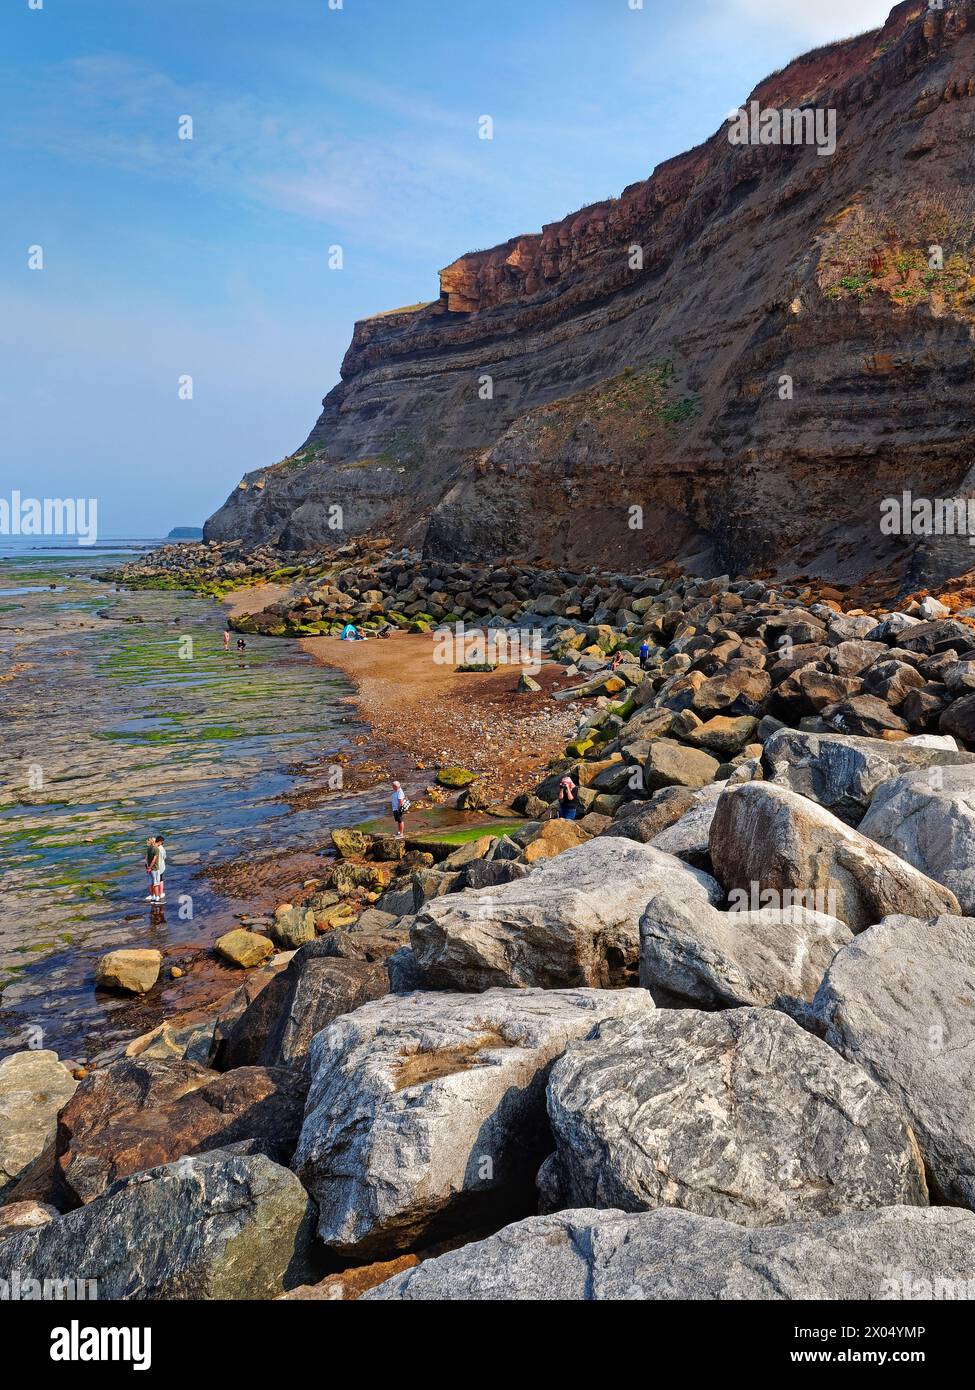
x=644, y=654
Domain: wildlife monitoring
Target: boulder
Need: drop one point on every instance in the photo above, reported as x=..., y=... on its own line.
x=214, y=1226
x=938, y=636
x=853, y=658
x=293, y=927
x=244, y=948
x=923, y=707
x=33, y=1087
x=644, y=820
x=927, y=818
x=896, y=1253
x=426, y=1113
x=742, y=691
x=554, y=838
x=843, y=773
x=672, y=764
x=740, y=1114
x=132, y=971
x=892, y=681
x=24, y=1216
x=349, y=842
x=229, y=1013
x=819, y=689
x=318, y=986
x=135, y=1114
x=773, y=838
x=696, y=956
x=387, y=848
x=864, y=715
x=483, y=873
x=723, y=734
x=350, y=1284
x=900, y=1002
x=688, y=838
x=467, y=852
x=193, y=1041
x=454, y=778
x=575, y=920
x=959, y=719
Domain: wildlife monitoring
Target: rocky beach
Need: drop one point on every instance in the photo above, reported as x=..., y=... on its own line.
x=522, y=846
x=549, y=1057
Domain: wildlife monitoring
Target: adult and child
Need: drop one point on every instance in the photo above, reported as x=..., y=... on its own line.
x=156, y=868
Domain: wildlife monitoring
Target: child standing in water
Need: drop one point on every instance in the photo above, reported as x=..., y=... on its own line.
x=157, y=870
x=150, y=859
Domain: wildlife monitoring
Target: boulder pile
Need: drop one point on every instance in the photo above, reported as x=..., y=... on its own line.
x=707, y=1039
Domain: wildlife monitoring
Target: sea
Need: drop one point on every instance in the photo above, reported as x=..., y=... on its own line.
x=122, y=716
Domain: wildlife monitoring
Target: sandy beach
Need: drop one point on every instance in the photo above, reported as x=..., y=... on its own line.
x=424, y=714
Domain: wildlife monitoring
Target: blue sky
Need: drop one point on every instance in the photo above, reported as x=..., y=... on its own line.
x=312, y=127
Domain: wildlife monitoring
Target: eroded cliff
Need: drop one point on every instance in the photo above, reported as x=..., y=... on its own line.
x=731, y=364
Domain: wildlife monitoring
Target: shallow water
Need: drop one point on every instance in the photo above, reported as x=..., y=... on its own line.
x=123, y=716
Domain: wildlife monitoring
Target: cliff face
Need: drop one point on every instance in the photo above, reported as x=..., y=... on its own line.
x=731, y=364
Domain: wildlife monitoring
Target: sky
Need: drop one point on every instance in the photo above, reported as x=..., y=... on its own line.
x=315, y=124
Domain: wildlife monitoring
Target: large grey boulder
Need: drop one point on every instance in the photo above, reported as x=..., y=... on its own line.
x=842, y=773
x=897, y=1253
x=688, y=838
x=215, y=1226
x=645, y=820
x=767, y=836
x=695, y=955
x=927, y=817
x=427, y=1111
x=318, y=985
x=33, y=1087
x=740, y=1114
x=575, y=920
x=900, y=1002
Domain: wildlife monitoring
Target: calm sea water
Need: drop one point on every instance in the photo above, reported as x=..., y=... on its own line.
x=123, y=716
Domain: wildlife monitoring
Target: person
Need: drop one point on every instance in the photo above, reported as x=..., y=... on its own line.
x=226, y=638
x=241, y=644
x=350, y=633
x=150, y=857
x=568, y=800
x=400, y=806
x=159, y=883
x=644, y=654
x=617, y=661
x=157, y=869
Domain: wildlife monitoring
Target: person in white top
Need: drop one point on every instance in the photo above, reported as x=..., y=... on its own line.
x=399, y=806
x=157, y=869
